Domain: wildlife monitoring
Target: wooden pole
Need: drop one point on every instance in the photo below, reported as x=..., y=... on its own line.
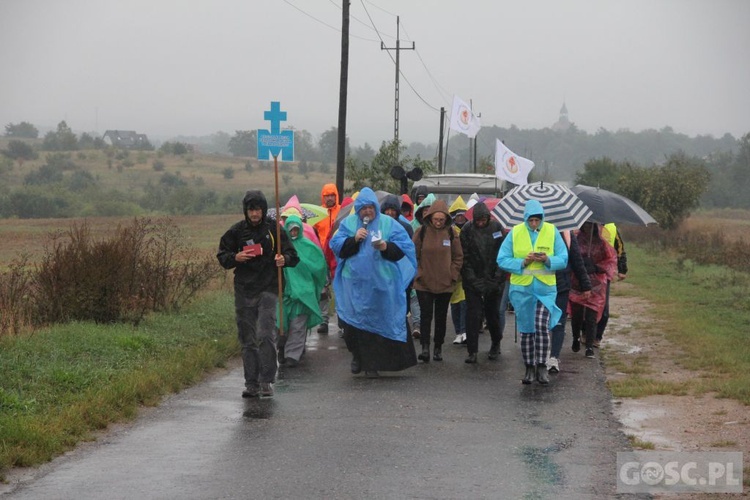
x=280, y=275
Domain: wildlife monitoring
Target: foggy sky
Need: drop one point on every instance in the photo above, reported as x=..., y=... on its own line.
x=190, y=67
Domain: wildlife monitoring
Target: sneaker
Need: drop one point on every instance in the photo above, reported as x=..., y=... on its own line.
x=463, y=338
x=589, y=352
x=576, y=345
x=416, y=333
x=597, y=343
x=251, y=392
x=341, y=333
x=266, y=389
x=553, y=365
x=323, y=329
x=458, y=340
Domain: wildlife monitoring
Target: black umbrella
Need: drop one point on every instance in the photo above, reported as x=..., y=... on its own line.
x=611, y=207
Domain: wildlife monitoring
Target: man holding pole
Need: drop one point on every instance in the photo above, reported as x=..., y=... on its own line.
x=255, y=250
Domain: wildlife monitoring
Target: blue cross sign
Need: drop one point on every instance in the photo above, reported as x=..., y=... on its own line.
x=275, y=143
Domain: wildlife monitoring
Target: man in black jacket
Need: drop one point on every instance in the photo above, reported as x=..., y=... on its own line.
x=249, y=247
x=483, y=280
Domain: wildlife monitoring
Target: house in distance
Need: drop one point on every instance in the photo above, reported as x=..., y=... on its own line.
x=127, y=139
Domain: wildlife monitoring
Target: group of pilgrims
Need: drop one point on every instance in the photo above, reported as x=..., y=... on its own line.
x=393, y=265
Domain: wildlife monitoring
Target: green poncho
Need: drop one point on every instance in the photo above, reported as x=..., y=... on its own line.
x=305, y=281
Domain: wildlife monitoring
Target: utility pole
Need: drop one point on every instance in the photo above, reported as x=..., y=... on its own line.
x=343, y=85
x=440, y=141
x=398, y=50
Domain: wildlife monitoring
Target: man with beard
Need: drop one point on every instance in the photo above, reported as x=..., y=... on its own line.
x=329, y=196
x=250, y=248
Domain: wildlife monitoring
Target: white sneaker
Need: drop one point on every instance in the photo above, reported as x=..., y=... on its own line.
x=553, y=365
x=458, y=340
x=463, y=338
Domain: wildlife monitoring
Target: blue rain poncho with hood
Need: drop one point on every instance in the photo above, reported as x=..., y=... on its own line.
x=371, y=290
x=524, y=298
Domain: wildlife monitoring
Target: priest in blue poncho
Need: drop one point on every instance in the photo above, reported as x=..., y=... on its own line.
x=376, y=263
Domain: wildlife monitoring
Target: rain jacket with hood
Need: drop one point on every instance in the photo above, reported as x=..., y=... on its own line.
x=391, y=201
x=439, y=253
x=419, y=211
x=525, y=297
x=324, y=226
x=407, y=206
x=370, y=288
x=600, y=261
x=259, y=274
x=480, y=271
x=458, y=207
x=305, y=281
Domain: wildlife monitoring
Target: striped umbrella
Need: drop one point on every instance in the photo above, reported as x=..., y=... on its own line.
x=561, y=206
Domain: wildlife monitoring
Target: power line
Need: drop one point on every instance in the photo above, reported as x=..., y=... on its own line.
x=326, y=24
x=437, y=85
x=394, y=61
x=360, y=21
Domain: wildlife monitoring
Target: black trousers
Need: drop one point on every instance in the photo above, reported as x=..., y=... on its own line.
x=583, y=318
x=433, y=304
x=478, y=307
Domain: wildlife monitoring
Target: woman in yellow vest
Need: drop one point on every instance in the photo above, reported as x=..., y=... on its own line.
x=532, y=252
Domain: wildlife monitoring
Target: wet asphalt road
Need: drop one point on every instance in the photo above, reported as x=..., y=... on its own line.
x=441, y=430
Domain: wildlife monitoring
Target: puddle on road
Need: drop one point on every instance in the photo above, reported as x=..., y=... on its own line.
x=632, y=414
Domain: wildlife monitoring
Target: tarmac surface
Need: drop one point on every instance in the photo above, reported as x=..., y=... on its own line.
x=439, y=430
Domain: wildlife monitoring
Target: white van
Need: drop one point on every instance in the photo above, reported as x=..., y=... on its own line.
x=449, y=186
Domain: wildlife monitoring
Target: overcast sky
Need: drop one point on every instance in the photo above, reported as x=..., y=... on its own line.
x=195, y=67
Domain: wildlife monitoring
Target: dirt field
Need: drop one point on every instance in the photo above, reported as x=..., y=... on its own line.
x=670, y=423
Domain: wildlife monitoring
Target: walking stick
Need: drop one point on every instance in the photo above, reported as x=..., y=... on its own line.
x=280, y=275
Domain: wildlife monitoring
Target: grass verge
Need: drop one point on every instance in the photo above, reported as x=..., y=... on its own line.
x=61, y=384
x=706, y=314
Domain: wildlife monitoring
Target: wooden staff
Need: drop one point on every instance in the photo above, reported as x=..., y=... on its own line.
x=280, y=274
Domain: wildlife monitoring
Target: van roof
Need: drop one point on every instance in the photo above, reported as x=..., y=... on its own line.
x=463, y=184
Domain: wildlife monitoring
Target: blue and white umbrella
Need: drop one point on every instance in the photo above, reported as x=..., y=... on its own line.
x=562, y=207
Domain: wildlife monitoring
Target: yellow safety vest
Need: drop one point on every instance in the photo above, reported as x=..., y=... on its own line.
x=609, y=233
x=545, y=242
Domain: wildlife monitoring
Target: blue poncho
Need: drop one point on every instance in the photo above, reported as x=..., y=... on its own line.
x=370, y=290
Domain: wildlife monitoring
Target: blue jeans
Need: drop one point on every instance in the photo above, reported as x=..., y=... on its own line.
x=416, y=317
x=558, y=331
x=458, y=314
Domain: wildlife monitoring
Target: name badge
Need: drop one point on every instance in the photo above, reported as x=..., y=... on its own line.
x=497, y=234
x=446, y=243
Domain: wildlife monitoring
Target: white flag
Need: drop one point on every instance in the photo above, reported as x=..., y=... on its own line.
x=511, y=167
x=463, y=120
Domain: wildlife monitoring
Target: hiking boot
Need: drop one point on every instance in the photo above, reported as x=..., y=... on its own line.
x=542, y=376
x=576, y=344
x=425, y=356
x=356, y=366
x=291, y=363
x=471, y=358
x=437, y=354
x=323, y=329
x=589, y=352
x=494, y=351
x=266, y=389
x=251, y=392
x=553, y=365
x=529, y=375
